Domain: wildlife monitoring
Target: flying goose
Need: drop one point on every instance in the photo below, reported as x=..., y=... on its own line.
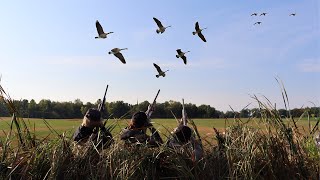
x=257, y=23
x=116, y=52
x=101, y=33
x=161, y=73
x=199, y=32
x=160, y=26
x=263, y=14
x=254, y=14
x=182, y=55
x=293, y=14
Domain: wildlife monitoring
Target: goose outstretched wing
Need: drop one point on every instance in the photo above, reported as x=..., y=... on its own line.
x=202, y=37
x=184, y=59
x=158, y=68
x=158, y=22
x=197, y=26
x=99, y=28
x=120, y=57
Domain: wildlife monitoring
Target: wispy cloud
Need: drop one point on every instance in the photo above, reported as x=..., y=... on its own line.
x=310, y=65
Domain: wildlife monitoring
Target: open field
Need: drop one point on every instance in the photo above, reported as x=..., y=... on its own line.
x=266, y=155
x=165, y=126
x=246, y=150
x=69, y=125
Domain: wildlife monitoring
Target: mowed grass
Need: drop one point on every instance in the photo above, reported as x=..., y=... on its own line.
x=165, y=126
x=68, y=126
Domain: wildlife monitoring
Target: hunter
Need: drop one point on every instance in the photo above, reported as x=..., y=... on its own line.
x=91, y=124
x=183, y=139
x=135, y=133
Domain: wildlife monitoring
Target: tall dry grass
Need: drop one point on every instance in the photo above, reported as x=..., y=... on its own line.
x=275, y=150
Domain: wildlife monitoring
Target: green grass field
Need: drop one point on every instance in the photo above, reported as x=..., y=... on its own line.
x=249, y=149
x=165, y=126
x=69, y=125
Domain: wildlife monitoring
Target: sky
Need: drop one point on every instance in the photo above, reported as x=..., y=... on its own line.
x=48, y=51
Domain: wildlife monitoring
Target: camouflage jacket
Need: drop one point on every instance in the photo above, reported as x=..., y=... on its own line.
x=139, y=136
x=194, y=146
x=82, y=134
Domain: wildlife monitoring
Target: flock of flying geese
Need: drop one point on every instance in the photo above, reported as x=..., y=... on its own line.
x=161, y=29
x=264, y=14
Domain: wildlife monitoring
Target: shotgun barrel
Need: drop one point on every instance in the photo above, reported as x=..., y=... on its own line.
x=150, y=110
x=184, y=115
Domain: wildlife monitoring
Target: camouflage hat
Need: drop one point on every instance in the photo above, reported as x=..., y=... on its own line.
x=93, y=114
x=183, y=134
x=140, y=119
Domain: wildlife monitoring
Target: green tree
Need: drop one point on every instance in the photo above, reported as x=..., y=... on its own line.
x=283, y=113
x=24, y=107
x=77, y=104
x=159, y=111
x=297, y=112
x=143, y=106
x=230, y=114
x=88, y=105
x=3, y=110
x=192, y=110
x=206, y=111
x=118, y=109
x=244, y=113
x=32, y=109
x=175, y=107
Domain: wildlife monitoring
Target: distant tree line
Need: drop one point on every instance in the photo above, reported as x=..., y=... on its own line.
x=68, y=110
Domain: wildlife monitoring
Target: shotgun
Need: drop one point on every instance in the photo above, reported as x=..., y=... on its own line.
x=150, y=110
x=101, y=106
x=184, y=115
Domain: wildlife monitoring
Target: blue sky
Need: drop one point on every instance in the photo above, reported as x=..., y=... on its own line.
x=48, y=50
